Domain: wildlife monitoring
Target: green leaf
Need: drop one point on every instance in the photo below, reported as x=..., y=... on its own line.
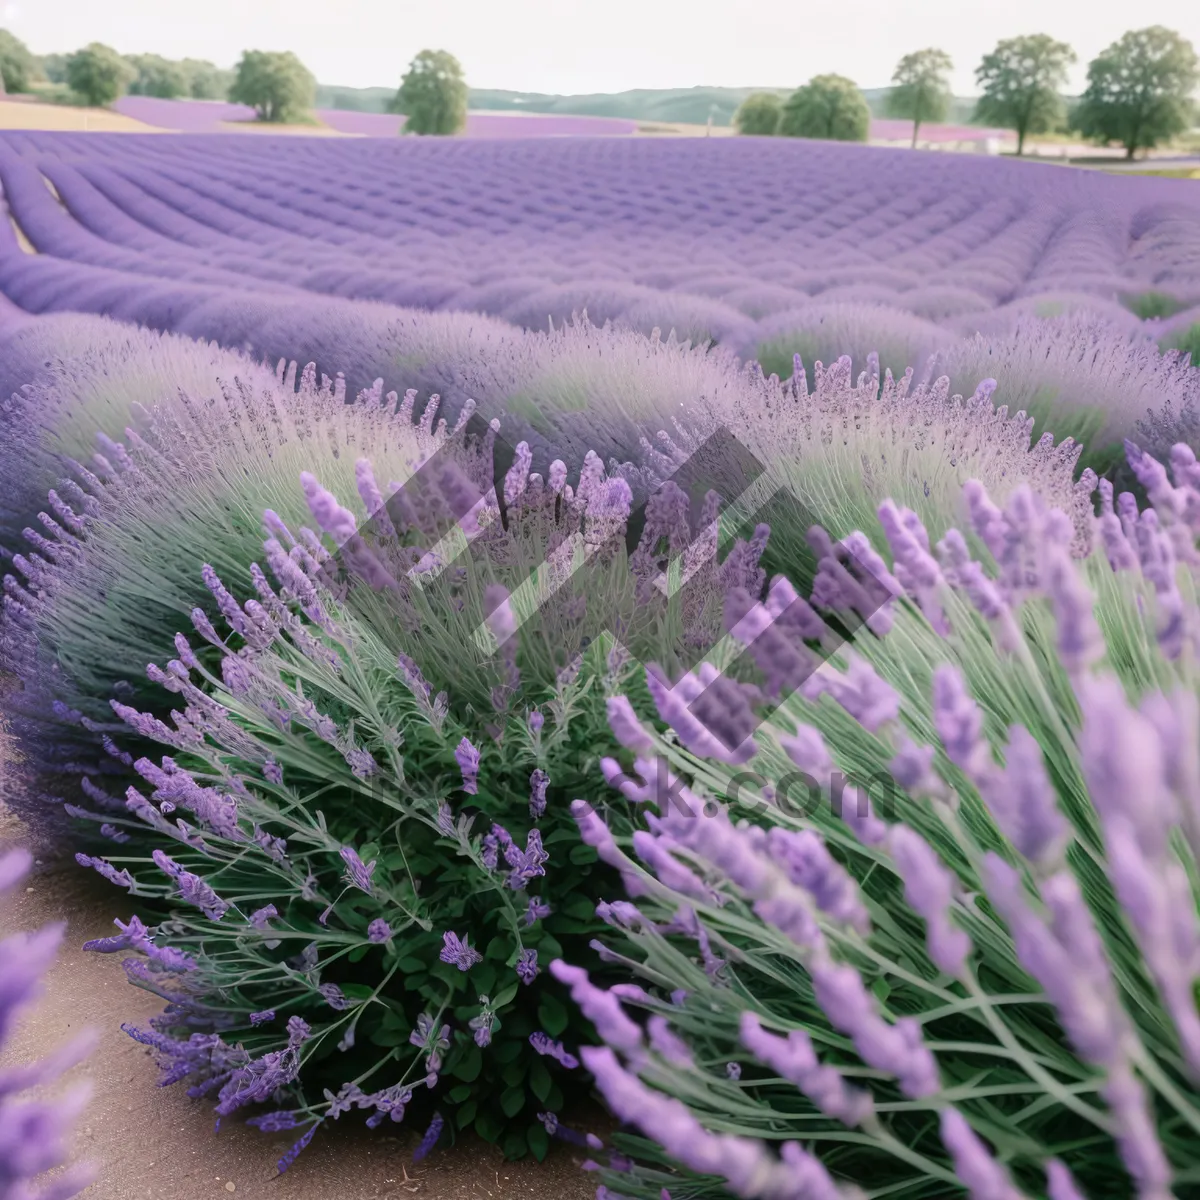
x=554, y=1101
x=513, y=1073
x=507, y=1051
x=411, y=965
x=552, y=1015
x=539, y=1079
x=357, y=991
x=515, y=1145
x=488, y=1126
x=512, y=1100
x=581, y=908
x=539, y=1141
x=881, y=988
x=549, y=948
x=504, y=996
x=497, y=948
x=469, y=1067
x=456, y=1095
x=466, y=1114
x=389, y=1037
x=483, y=977
x=580, y=855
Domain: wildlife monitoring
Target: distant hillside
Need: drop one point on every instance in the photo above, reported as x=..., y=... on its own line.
x=690, y=106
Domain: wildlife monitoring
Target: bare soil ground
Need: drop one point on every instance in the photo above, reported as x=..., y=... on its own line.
x=152, y=1142
x=25, y=114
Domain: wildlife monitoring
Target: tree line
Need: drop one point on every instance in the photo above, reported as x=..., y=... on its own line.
x=1139, y=93
x=432, y=95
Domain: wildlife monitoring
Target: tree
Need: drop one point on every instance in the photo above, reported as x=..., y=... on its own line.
x=922, y=88
x=17, y=64
x=1139, y=90
x=759, y=114
x=828, y=106
x=54, y=67
x=205, y=80
x=98, y=73
x=158, y=76
x=1020, y=81
x=433, y=94
x=278, y=86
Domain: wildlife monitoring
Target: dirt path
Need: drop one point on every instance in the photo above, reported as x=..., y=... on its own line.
x=152, y=1142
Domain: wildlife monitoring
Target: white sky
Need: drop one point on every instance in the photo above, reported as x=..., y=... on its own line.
x=592, y=45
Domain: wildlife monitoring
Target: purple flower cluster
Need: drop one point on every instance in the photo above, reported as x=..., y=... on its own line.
x=34, y=1133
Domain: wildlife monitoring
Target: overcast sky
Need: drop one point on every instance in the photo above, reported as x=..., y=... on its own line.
x=592, y=45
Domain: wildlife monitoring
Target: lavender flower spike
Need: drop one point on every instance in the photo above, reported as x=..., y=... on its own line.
x=984, y=1178
x=456, y=952
x=467, y=758
x=357, y=872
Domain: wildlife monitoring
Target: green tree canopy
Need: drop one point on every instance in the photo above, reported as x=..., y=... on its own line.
x=922, y=88
x=17, y=64
x=433, y=94
x=277, y=85
x=205, y=80
x=828, y=106
x=1139, y=90
x=759, y=114
x=98, y=73
x=158, y=76
x=54, y=67
x=1021, y=80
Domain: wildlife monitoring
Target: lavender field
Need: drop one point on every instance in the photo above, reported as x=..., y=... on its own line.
x=435, y=568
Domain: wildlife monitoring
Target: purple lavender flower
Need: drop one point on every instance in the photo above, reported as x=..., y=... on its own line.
x=295, y=1151
x=357, y=872
x=456, y=952
x=467, y=758
x=192, y=889
x=929, y=890
x=274, y=1122
x=481, y=1026
x=120, y=878
x=526, y=864
x=536, y=910
x=445, y=819
x=262, y=1018
x=261, y=917
x=536, y=721
x=545, y=1045
x=539, y=781
x=430, y=1138
x=333, y=996
x=35, y=1132
x=980, y=1173
x=379, y=931
x=527, y=966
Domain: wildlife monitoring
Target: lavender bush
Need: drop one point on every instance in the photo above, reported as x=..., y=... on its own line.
x=1078, y=376
x=979, y=972
x=114, y=379
x=362, y=830
x=33, y=1133
x=826, y=330
x=844, y=446
x=111, y=574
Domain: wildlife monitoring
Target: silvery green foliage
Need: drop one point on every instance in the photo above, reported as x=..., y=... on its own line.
x=935, y=929
x=34, y=1133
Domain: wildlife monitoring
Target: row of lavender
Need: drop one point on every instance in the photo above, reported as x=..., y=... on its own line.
x=389, y=789
x=730, y=240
